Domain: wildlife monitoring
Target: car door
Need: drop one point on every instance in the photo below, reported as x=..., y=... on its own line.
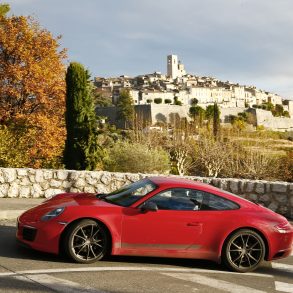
x=173, y=229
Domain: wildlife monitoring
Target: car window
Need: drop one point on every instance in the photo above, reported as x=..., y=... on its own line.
x=173, y=199
x=131, y=193
x=191, y=200
x=214, y=202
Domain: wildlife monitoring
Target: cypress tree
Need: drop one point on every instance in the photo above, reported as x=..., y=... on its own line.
x=125, y=108
x=81, y=147
x=216, y=120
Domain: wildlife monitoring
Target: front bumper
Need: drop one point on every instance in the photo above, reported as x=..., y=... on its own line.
x=42, y=236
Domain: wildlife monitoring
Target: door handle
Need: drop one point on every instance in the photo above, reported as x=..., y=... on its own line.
x=194, y=224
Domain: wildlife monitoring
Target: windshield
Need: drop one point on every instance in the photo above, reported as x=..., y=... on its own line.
x=129, y=194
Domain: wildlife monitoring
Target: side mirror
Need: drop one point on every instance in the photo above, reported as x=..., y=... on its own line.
x=149, y=207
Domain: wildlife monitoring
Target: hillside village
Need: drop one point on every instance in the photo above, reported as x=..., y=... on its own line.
x=165, y=91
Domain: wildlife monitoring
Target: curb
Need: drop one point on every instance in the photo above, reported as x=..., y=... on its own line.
x=10, y=214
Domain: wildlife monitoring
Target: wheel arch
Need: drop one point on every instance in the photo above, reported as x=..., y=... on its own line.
x=67, y=227
x=261, y=234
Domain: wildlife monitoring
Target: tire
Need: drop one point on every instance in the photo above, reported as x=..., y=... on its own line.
x=86, y=241
x=243, y=251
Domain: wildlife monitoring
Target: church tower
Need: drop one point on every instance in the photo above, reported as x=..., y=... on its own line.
x=174, y=68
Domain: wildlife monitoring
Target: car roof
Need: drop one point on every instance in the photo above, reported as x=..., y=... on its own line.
x=181, y=182
x=174, y=181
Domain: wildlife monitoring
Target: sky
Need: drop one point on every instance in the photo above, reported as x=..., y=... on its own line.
x=244, y=41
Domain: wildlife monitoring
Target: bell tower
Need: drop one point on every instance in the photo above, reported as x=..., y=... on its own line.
x=172, y=66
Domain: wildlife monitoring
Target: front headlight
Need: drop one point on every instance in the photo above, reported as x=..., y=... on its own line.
x=284, y=227
x=52, y=214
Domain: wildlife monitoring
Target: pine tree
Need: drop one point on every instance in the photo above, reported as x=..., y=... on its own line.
x=81, y=147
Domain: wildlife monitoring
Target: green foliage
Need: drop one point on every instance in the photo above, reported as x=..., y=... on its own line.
x=177, y=102
x=102, y=101
x=168, y=101
x=136, y=157
x=278, y=110
x=216, y=120
x=4, y=9
x=149, y=101
x=269, y=106
x=125, y=108
x=194, y=101
x=260, y=128
x=210, y=112
x=158, y=101
x=286, y=114
x=81, y=149
x=239, y=121
x=197, y=113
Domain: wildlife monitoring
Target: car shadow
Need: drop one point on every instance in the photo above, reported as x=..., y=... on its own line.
x=177, y=262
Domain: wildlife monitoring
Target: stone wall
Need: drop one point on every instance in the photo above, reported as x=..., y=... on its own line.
x=277, y=196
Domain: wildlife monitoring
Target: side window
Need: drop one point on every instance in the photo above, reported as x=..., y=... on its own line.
x=214, y=202
x=210, y=202
x=173, y=199
x=191, y=200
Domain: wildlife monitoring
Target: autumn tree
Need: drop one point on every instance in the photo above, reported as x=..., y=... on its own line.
x=125, y=108
x=32, y=87
x=81, y=147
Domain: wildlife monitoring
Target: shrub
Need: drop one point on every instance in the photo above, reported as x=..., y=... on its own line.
x=177, y=102
x=287, y=167
x=168, y=101
x=136, y=157
x=158, y=100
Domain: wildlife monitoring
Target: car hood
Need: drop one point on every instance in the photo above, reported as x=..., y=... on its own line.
x=63, y=200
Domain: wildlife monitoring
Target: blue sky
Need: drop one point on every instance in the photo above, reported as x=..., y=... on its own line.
x=245, y=41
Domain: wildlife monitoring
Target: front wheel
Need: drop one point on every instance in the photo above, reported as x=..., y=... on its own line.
x=243, y=251
x=86, y=241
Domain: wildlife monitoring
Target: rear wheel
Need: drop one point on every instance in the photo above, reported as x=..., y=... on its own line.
x=86, y=241
x=243, y=251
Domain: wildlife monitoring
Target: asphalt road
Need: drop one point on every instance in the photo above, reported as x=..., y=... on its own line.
x=23, y=270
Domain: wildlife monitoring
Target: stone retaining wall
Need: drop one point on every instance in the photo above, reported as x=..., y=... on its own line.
x=277, y=196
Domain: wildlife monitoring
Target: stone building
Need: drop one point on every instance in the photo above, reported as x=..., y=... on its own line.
x=177, y=85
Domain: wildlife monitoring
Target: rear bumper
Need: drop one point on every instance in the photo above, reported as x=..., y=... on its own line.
x=280, y=245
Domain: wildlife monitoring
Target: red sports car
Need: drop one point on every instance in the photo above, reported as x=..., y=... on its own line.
x=158, y=216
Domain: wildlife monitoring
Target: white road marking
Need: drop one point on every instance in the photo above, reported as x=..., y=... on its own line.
x=103, y=269
x=283, y=287
x=56, y=284
x=216, y=284
x=284, y=267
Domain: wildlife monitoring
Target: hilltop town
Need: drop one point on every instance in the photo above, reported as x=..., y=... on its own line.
x=177, y=87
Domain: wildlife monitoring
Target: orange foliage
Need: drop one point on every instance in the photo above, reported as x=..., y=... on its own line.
x=32, y=86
